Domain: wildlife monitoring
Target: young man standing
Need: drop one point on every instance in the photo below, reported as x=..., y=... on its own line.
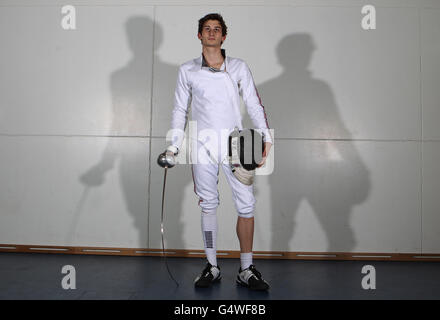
x=212, y=84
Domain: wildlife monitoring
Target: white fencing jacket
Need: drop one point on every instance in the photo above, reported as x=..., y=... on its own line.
x=214, y=97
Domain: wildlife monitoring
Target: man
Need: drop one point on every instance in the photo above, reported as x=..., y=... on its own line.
x=212, y=85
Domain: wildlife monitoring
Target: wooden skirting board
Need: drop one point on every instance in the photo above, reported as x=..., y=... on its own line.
x=222, y=253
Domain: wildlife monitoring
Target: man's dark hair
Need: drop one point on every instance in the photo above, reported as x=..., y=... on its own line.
x=213, y=16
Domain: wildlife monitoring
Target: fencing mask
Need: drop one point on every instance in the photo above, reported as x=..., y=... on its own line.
x=245, y=153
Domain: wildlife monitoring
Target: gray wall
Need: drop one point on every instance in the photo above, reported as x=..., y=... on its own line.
x=84, y=113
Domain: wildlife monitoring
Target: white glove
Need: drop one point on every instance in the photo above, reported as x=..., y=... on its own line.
x=167, y=158
x=174, y=150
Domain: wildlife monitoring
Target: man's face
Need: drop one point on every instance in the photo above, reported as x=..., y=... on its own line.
x=211, y=35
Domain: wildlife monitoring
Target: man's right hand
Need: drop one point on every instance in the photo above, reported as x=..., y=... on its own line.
x=167, y=159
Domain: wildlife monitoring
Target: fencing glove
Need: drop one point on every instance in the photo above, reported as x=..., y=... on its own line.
x=167, y=159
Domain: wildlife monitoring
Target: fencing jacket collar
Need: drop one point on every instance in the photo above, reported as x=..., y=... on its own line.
x=204, y=64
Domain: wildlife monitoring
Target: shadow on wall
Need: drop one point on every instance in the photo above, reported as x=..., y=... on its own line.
x=329, y=174
x=130, y=101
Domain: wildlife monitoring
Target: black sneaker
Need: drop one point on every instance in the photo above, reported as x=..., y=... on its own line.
x=209, y=275
x=252, y=279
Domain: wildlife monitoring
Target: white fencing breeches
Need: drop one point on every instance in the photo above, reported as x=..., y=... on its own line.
x=205, y=177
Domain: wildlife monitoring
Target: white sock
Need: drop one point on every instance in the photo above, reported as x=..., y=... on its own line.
x=209, y=233
x=246, y=260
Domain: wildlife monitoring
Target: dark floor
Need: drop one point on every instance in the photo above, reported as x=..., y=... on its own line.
x=38, y=276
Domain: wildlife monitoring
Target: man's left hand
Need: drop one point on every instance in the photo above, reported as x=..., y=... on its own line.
x=267, y=146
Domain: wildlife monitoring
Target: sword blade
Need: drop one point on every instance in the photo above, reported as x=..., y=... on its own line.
x=161, y=225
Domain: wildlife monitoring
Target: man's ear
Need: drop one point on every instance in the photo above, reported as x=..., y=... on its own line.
x=199, y=36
